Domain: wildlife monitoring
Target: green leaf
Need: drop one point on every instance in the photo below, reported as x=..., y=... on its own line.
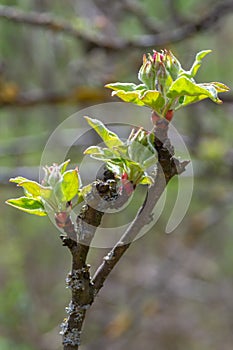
x=102, y=153
x=197, y=63
x=220, y=87
x=115, y=167
x=17, y=179
x=140, y=87
x=154, y=99
x=184, y=86
x=122, y=86
x=62, y=167
x=36, y=190
x=69, y=185
x=187, y=100
x=146, y=180
x=149, y=162
x=110, y=138
x=141, y=97
x=93, y=150
x=138, y=152
x=28, y=205
x=213, y=94
x=82, y=192
x=133, y=169
x=130, y=96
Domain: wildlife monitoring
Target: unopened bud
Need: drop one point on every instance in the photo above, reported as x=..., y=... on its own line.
x=169, y=115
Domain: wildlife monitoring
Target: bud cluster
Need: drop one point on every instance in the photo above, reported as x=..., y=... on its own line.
x=159, y=70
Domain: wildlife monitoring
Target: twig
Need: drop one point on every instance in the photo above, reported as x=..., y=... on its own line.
x=78, y=280
x=168, y=167
x=78, y=240
x=51, y=23
x=185, y=31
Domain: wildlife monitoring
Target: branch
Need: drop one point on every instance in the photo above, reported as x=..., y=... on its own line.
x=78, y=241
x=168, y=167
x=53, y=24
x=175, y=35
x=78, y=280
x=48, y=22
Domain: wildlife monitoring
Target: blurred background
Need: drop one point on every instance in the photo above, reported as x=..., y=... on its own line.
x=169, y=292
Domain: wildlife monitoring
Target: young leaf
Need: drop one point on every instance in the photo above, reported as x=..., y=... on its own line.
x=213, y=94
x=115, y=168
x=35, y=190
x=140, y=87
x=62, y=167
x=28, y=205
x=184, y=86
x=122, y=86
x=82, y=192
x=146, y=180
x=154, y=99
x=220, y=87
x=149, y=162
x=129, y=96
x=70, y=184
x=110, y=138
x=101, y=153
x=187, y=100
x=93, y=150
x=197, y=63
x=18, y=179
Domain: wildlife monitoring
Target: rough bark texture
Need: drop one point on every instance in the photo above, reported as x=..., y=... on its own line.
x=78, y=239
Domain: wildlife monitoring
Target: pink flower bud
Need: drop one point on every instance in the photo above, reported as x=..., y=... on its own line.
x=61, y=219
x=169, y=115
x=124, y=177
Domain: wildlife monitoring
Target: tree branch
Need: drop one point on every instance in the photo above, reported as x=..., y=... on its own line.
x=78, y=280
x=49, y=22
x=46, y=21
x=213, y=16
x=168, y=167
x=78, y=240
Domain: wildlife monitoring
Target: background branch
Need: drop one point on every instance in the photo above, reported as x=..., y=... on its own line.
x=207, y=21
x=51, y=23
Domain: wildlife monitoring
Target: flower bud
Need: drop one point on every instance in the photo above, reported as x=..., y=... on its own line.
x=169, y=115
x=162, y=78
x=172, y=64
x=159, y=70
x=147, y=72
x=127, y=186
x=55, y=175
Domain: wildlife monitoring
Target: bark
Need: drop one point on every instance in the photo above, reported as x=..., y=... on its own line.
x=78, y=239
